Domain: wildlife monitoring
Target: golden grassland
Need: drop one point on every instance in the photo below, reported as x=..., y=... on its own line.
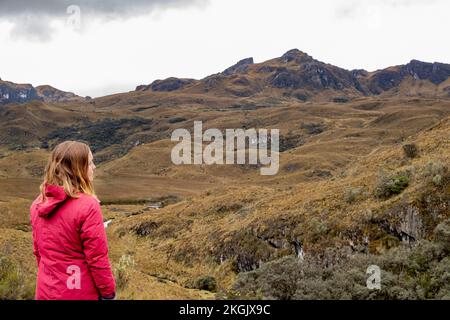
x=189, y=233
x=221, y=212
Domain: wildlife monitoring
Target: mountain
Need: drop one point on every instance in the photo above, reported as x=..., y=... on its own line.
x=294, y=74
x=17, y=93
x=364, y=179
x=167, y=85
x=299, y=75
x=240, y=67
x=51, y=94
x=21, y=93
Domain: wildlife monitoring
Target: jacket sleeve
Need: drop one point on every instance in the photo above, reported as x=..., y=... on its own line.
x=95, y=247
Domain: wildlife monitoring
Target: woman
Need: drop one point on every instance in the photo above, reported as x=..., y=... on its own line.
x=69, y=237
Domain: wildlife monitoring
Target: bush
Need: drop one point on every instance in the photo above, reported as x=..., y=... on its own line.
x=410, y=150
x=145, y=229
x=437, y=180
x=434, y=168
x=442, y=234
x=206, y=283
x=313, y=128
x=274, y=280
x=121, y=272
x=177, y=119
x=352, y=194
x=318, y=228
x=419, y=273
x=392, y=185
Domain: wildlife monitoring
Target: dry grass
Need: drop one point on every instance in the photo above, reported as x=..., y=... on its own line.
x=227, y=211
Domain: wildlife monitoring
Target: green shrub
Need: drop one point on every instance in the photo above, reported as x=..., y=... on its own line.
x=391, y=185
x=432, y=169
x=121, y=271
x=410, y=150
x=352, y=194
x=274, y=280
x=435, y=173
x=442, y=234
x=437, y=180
x=317, y=228
x=206, y=283
x=421, y=272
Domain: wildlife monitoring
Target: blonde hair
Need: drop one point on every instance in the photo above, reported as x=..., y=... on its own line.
x=68, y=167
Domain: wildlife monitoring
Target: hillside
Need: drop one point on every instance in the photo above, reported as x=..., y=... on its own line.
x=363, y=171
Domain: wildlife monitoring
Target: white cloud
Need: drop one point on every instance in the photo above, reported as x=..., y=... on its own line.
x=32, y=19
x=109, y=56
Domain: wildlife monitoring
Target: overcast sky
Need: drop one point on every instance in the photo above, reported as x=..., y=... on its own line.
x=121, y=44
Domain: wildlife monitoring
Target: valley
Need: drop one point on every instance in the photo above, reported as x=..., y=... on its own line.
x=342, y=138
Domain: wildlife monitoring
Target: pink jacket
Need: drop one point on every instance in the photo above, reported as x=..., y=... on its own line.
x=71, y=248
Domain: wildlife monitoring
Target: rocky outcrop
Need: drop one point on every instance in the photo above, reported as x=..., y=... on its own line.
x=301, y=71
x=411, y=227
x=313, y=75
x=21, y=93
x=297, y=70
x=297, y=56
x=17, y=93
x=50, y=94
x=239, y=67
x=387, y=79
x=300, y=76
x=167, y=85
x=434, y=72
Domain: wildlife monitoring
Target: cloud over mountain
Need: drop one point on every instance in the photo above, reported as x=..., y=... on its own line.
x=32, y=19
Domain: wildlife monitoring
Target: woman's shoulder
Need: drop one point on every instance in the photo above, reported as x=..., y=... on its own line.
x=87, y=199
x=86, y=205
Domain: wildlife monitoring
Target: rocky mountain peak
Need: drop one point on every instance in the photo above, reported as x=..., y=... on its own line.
x=297, y=56
x=166, y=85
x=435, y=72
x=51, y=94
x=17, y=93
x=239, y=67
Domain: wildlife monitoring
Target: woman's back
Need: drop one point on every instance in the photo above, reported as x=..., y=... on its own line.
x=71, y=247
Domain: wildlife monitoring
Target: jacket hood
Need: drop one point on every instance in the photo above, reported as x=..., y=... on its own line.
x=55, y=196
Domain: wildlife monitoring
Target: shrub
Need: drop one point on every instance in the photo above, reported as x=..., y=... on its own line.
x=435, y=173
x=442, y=234
x=421, y=272
x=341, y=100
x=391, y=185
x=145, y=229
x=177, y=119
x=317, y=228
x=313, y=128
x=206, y=283
x=274, y=280
x=352, y=194
x=432, y=169
x=410, y=150
x=121, y=271
x=437, y=180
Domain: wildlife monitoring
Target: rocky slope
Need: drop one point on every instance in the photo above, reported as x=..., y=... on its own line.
x=51, y=94
x=22, y=93
x=17, y=93
x=346, y=186
x=299, y=75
